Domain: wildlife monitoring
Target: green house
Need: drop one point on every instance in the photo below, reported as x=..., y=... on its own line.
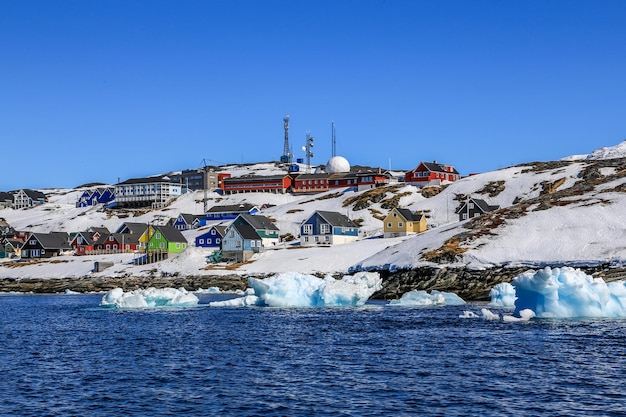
x=167, y=239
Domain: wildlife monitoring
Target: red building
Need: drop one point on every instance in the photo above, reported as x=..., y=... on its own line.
x=310, y=183
x=431, y=173
x=278, y=184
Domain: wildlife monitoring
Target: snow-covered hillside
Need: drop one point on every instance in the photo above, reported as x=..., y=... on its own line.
x=568, y=212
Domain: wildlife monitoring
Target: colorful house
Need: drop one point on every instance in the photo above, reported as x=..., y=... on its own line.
x=117, y=243
x=278, y=184
x=212, y=238
x=431, y=173
x=83, y=243
x=45, y=245
x=230, y=212
x=328, y=228
x=241, y=242
x=474, y=207
x=28, y=198
x=269, y=233
x=189, y=221
x=403, y=222
x=166, y=239
x=310, y=183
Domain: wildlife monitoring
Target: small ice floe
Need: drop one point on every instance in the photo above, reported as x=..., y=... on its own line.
x=149, y=298
x=422, y=298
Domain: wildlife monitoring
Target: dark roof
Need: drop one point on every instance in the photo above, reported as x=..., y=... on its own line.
x=434, y=166
x=336, y=219
x=34, y=194
x=148, y=180
x=171, y=234
x=312, y=176
x=409, y=215
x=481, y=204
x=255, y=178
x=241, y=208
x=258, y=222
x=6, y=196
x=190, y=218
x=246, y=231
x=133, y=228
x=52, y=240
x=126, y=238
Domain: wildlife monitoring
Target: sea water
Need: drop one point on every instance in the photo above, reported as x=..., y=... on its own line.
x=62, y=355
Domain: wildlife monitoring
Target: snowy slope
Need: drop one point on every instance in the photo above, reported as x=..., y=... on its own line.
x=580, y=229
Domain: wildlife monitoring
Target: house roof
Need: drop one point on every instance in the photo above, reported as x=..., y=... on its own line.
x=336, y=219
x=148, y=180
x=190, y=218
x=240, y=208
x=171, y=234
x=409, y=215
x=435, y=167
x=258, y=222
x=256, y=178
x=133, y=228
x=6, y=196
x=52, y=240
x=246, y=231
x=481, y=204
x=34, y=194
x=312, y=176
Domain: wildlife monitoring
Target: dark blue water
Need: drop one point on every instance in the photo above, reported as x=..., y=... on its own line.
x=61, y=356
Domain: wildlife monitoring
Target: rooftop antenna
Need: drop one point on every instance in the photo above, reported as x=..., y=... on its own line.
x=308, y=150
x=334, y=139
x=286, y=158
x=205, y=181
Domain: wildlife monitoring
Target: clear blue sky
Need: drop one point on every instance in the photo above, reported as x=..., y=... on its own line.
x=101, y=90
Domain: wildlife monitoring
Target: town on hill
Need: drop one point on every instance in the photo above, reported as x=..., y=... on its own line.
x=266, y=218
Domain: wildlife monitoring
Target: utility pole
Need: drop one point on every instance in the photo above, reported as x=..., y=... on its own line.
x=308, y=150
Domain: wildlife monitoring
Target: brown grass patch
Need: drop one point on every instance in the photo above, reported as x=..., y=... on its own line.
x=447, y=253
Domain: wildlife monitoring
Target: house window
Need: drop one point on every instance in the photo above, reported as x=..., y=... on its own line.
x=389, y=225
x=217, y=240
x=252, y=243
x=395, y=214
x=201, y=241
x=213, y=232
x=464, y=216
x=400, y=224
x=324, y=228
x=158, y=235
x=32, y=242
x=307, y=229
x=306, y=238
x=327, y=238
x=108, y=247
x=114, y=247
x=161, y=245
x=177, y=245
x=471, y=205
x=238, y=243
x=476, y=214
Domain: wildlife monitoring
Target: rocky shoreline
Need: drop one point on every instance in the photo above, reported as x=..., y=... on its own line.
x=470, y=285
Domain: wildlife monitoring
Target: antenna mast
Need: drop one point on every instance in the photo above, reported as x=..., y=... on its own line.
x=286, y=153
x=334, y=139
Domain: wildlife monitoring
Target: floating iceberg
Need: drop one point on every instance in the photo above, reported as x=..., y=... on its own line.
x=149, y=298
x=422, y=298
x=502, y=295
x=291, y=289
x=568, y=293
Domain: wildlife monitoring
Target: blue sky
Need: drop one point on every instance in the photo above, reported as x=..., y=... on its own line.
x=96, y=91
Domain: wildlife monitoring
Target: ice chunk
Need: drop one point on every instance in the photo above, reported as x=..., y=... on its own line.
x=248, y=300
x=503, y=295
x=468, y=315
x=489, y=315
x=422, y=298
x=292, y=289
x=149, y=298
x=568, y=293
x=524, y=315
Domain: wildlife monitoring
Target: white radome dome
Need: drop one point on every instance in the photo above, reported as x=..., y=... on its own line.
x=337, y=164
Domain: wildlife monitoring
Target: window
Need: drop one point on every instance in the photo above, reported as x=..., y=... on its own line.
x=476, y=214
x=400, y=224
x=327, y=238
x=395, y=214
x=177, y=245
x=213, y=232
x=217, y=240
x=324, y=228
x=306, y=238
x=114, y=247
x=389, y=225
x=158, y=235
x=108, y=247
x=471, y=205
x=307, y=229
x=464, y=216
x=110, y=238
x=252, y=243
x=201, y=241
x=161, y=245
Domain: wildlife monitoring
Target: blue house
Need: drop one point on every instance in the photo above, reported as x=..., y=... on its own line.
x=212, y=238
x=189, y=221
x=328, y=228
x=105, y=195
x=240, y=242
x=85, y=199
x=230, y=212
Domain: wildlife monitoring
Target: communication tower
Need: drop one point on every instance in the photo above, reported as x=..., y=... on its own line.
x=286, y=158
x=334, y=139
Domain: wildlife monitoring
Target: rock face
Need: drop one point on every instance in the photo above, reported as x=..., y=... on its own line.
x=57, y=285
x=470, y=285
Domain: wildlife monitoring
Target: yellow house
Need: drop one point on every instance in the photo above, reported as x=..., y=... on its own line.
x=402, y=222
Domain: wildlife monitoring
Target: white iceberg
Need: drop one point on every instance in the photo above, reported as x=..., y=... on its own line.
x=502, y=295
x=422, y=298
x=292, y=289
x=149, y=298
x=568, y=293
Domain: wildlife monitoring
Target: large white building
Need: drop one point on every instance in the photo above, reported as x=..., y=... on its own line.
x=142, y=192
